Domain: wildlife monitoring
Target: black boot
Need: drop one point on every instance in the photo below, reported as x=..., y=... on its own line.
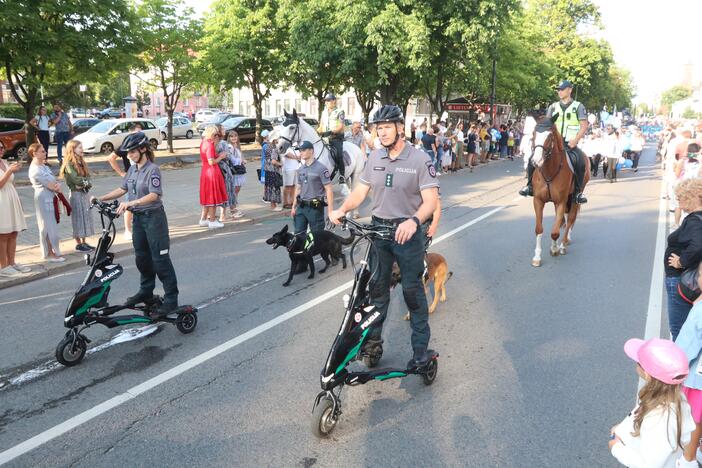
x=527, y=190
x=163, y=310
x=579, y=178
x=420, y=358
x=138, y=298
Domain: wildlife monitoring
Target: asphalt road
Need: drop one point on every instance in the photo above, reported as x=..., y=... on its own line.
x=532, y=371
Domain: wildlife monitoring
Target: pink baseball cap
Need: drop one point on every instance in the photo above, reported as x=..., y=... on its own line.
x=661, y=359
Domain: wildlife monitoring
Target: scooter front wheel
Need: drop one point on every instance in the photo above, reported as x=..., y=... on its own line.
x=186, y=322
x=69, y=353
x=323, y=418
x=429, y=375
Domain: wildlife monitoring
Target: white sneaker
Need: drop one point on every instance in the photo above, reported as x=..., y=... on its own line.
x=214, y=225
x=21, y=268
x=682, y=463
x=278, y=208
x=238, y=214
x=204, y=223
x=127, y=235
x=55, y=259
x=9, y=272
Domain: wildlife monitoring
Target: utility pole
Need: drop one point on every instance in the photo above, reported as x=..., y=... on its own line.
x=494, y=79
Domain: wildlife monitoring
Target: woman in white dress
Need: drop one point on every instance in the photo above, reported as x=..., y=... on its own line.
x=45, y=189
x=11, y=218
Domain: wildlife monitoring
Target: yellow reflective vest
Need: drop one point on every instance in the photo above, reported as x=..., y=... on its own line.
x=567, y=122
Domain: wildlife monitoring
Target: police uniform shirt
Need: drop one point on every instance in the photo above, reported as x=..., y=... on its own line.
x=331, y=119
x=312, y=180
x=558, y=107
x=140, y=182
x=397, y=183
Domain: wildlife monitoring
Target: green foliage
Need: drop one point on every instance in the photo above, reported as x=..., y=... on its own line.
x=12, y=111
x=241, y=47
x=689, y=113
x=674, y=94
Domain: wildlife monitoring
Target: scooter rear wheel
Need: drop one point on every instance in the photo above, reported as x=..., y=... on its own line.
x=429, y=375
x=186, y=322
x=323, y=418
x=68, y=354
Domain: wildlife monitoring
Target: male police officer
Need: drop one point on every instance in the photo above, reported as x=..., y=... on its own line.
x=313, y=184
x=332, y=126
x=571, y=122
x=405, y=194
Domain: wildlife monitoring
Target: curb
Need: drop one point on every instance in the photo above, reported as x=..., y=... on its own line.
x=123, y=251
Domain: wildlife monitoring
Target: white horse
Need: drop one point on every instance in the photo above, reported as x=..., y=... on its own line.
x=295, y=130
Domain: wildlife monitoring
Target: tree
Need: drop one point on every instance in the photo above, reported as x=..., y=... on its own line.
x=311, y=48
x=675, y=94
x=45, y=43
x=241, y=47
x=169, y=33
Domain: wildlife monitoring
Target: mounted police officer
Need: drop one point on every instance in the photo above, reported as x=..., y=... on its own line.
x=142, y=184
x=332, y=126
x=571, y=122
x=405, y=194
x=313, y=186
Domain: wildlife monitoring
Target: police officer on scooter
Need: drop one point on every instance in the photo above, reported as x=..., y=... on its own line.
x=142, y=184
x=405, y=194
x=313, y=185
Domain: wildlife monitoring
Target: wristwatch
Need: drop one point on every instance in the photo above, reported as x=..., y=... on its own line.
x=416, y=220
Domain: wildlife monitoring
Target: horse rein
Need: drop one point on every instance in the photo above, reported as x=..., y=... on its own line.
x=295, y=140
x=547, y=156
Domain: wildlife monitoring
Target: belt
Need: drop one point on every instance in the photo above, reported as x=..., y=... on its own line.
x=149, y=212
x=313, y=203
x=395, y=221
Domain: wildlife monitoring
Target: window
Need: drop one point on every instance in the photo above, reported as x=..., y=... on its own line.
x=267, y=110
x=278, y=107
x=298, y=105
x=121, y=128
x=351, y=105
x=246, y=123
x=286, y=105
x=146, y=125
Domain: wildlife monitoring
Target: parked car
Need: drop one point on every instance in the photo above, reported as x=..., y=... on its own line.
x=14, y=137
x=216, y=119
x=279, y=120
x=79, y=113
x=79, y=126
x=110, y=113
x=109, y=134
x=245, y=127
x=203, y=115
x=182, y=127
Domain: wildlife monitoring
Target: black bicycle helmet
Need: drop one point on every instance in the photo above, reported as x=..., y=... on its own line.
x=388, y=113
x=330, y=97
x=134, y=141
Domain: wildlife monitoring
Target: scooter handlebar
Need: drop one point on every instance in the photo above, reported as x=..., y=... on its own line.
x=108, y=208
x=371, y=230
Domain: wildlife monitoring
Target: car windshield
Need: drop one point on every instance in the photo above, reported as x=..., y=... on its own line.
x=218, y=118
x=102, y=127
x=232, y=121
x=162, y=122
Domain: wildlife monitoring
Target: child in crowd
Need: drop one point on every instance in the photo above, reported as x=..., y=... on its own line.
x=690, y=341
x=656, y=431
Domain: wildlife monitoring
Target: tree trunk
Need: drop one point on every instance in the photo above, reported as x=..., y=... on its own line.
x=258, y=105
x=169, y=134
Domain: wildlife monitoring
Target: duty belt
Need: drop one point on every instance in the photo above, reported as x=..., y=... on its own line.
x=316, y=203
x=394, y=221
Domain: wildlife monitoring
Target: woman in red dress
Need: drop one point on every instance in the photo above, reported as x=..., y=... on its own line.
x=213, y=191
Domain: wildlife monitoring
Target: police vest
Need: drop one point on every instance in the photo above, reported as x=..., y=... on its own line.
x=567, y=122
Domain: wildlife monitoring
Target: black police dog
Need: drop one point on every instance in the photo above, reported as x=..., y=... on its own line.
x=302, y=248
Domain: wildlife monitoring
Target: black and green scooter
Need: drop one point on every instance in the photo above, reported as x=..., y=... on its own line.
x=348, y=345
x=89, y=305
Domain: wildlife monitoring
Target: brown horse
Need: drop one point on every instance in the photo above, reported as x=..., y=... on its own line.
x=553, y=182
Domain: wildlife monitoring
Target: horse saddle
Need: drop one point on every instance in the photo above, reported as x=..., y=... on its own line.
x=332, y=153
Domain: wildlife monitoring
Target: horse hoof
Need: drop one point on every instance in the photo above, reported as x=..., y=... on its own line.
x=567, y=242
x=554, y=254
x=563, y=251
x=536, y=263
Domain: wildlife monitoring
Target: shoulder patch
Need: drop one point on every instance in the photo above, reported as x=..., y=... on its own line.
x=155, y=181
x=326, y=173
x=432, y=170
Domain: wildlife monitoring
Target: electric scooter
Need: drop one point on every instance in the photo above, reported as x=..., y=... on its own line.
x=89, y=303
x=358, y=320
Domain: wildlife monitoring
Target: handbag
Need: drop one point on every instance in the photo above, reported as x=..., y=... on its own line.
x=688, y=288
x=239, y=169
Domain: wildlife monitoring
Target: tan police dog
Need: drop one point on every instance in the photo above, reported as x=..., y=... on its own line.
x=437, y=271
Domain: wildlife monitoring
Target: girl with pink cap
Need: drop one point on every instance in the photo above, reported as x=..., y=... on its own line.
x=656, y=431
x=690, y=341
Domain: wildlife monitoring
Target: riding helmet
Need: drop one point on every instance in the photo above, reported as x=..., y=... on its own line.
x=330, y=97
x=388, y=113
x=134, y=141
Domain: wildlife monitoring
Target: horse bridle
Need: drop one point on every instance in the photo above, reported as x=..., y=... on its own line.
x=295, y=140
x=547, y=156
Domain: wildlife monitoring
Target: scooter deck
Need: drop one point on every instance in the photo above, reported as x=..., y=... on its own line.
x=362, y=377
x=111, y=321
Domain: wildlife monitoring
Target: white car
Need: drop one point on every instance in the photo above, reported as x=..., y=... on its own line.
x=203, y=115
x=182, y=127
x=108, y=135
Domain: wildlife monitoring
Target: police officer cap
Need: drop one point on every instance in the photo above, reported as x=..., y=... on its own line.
x=388, y=113
x=134, y=141
x=564, y=84
x=306, y=145
x=330, y=97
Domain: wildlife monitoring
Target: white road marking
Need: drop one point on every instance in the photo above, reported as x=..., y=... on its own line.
x=81, y=418
x=33, y=298
x=655, y=295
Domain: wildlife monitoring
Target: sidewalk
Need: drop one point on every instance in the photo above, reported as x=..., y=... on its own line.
x=181, y=200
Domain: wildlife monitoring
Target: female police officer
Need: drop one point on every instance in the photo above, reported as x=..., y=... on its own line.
x=405, y=193
x=142, y=184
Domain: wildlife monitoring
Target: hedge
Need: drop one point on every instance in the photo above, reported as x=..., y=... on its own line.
x=12, y=111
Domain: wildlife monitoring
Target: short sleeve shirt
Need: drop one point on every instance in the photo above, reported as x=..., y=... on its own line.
x=330, y=120
x=397, y=183
x=140, y=182
x=580, y=112
x=63, y=124
x=312, y=180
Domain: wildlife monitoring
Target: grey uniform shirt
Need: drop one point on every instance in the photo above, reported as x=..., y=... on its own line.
x=312, y=180
x=397, y=183
x=140, y=182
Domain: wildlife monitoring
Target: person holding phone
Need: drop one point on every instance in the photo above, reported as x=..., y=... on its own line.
x=11, y=218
